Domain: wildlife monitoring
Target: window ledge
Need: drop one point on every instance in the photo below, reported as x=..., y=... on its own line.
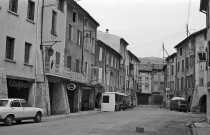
x=13, y=13
x=31, y=21
x=27, y=64
x=8, y=60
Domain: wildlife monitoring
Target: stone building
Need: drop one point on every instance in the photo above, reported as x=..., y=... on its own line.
x=170, y=79
x=191, y=70
x=18, y=39
x=204, y=7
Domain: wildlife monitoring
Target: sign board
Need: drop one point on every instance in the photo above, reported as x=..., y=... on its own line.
x=71, y=86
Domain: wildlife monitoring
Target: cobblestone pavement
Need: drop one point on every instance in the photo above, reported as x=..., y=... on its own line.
x=156, y=121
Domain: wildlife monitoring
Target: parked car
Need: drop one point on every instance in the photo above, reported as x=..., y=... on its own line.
x=178, y=103
x=18, y=110
x=126, y=105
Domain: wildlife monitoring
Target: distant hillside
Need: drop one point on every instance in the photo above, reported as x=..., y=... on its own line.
x=153, y=60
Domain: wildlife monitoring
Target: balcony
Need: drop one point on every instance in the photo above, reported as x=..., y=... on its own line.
x=64, y=72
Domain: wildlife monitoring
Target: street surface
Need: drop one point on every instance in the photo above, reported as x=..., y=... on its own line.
x=156, y=121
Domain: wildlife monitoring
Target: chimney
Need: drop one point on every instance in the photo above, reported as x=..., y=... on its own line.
x=107, y=31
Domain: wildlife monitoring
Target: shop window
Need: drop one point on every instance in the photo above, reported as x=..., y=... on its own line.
x=105, y=99
x=31, y=7
x=13, y=5
x=10, y=48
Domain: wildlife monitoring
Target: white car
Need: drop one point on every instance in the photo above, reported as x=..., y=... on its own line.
x=18, y=110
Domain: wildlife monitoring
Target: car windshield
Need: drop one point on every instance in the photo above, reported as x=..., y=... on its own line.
x=3, y=102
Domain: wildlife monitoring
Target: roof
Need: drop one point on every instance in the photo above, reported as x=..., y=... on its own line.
x=107, y=46
x=204, y=5
x=191, y=36
x=112, y=40
x=171, y=56
x=85, y=12
x=134, y=56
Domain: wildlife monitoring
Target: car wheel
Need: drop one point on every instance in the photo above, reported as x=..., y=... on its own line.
x=8, y=120
x=38, y=117
x=18, y=121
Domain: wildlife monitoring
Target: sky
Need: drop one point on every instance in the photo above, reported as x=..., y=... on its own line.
x=147, y=24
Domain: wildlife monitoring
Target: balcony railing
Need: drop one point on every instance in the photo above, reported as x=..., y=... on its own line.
x=65, y=72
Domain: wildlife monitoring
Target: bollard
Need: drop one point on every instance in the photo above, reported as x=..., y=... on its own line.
x=140, y=129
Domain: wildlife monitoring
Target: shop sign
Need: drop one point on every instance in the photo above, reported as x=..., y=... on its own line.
x=71, y=86
x=18, y=84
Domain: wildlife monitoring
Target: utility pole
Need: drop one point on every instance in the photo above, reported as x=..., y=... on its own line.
x=187, y=30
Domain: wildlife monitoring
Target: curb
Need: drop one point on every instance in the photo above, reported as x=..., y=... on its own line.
x=53, y=117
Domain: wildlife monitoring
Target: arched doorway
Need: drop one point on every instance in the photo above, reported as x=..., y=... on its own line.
x=202, y=104
x=98, y=100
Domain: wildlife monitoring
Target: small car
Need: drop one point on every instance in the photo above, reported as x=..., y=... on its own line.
x=15, y=109
x=125, y=105
x=178, y=103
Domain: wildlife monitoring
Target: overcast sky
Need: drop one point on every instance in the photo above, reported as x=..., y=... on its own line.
x=146, y=24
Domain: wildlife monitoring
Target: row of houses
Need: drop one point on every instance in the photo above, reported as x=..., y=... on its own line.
x=53, y=56
x=186, y=72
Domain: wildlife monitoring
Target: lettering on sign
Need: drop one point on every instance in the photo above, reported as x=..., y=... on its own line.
x=18, y=84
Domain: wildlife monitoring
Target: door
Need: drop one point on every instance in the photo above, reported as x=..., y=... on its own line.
x=17, y=110
x=27, y=110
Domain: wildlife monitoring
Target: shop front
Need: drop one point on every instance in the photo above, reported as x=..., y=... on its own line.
x=20, y=88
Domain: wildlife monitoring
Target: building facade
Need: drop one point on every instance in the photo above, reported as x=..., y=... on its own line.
x=204, y=7
x=18, y=54
x=170, y=79
x=191, y=70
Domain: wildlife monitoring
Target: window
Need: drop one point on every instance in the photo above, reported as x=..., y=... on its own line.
x=86, y=22
x=180, y=51
x=69, y=61
x=178, y=65
x=187, y=62
x=86, y=68
x=61, y=5
x=182, y=65
x=107, y=58
x=177, y=83
x=71, y=30
x=111, y=60
x=172, y=69
x=57, y=59
x=93, y=45
x=54, y=22
x=201, y=81
x=100, y=53
x=201, y=56
x=13, y=5
x=182, y=82
x=105, y=99
x=75, y=16
x=31, y=7
x=27, y=52
x=79, y=37
x=147, y=80
x=15, y=103
x=24, y=103
x=10, y=48
x=77, y=65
